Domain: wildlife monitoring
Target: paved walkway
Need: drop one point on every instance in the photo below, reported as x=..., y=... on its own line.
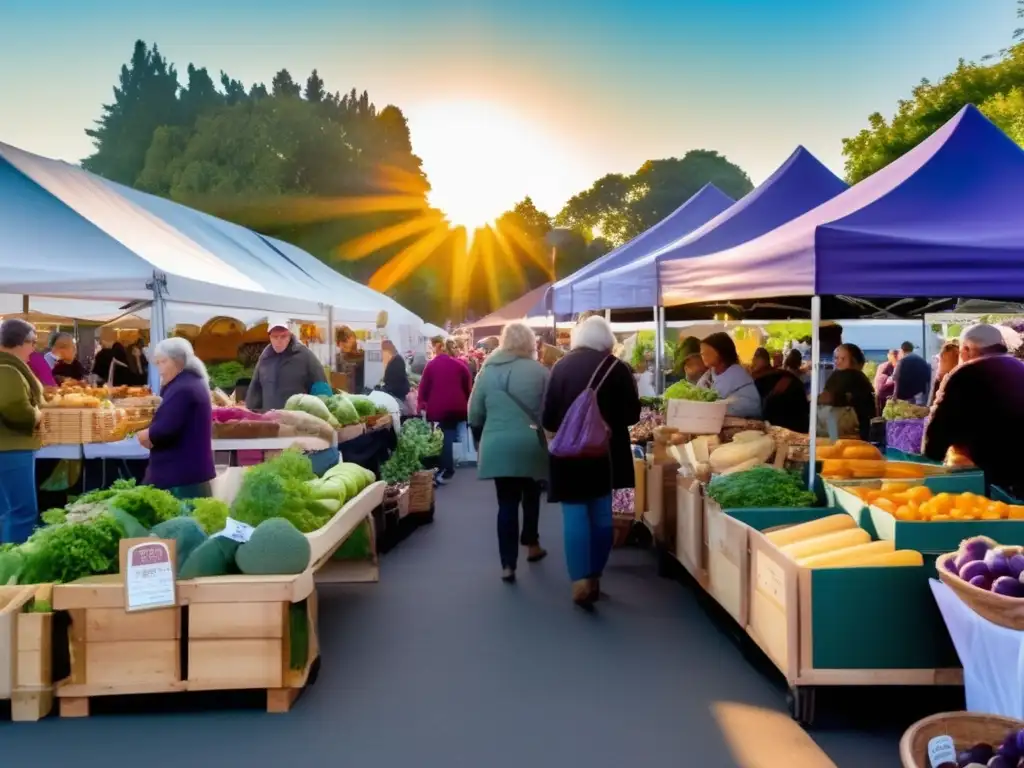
x=441, y=664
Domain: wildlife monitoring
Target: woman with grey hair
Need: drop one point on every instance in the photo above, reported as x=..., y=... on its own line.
x=21, y=396
x=180, y=439
x=504, y=414
x=584, y=485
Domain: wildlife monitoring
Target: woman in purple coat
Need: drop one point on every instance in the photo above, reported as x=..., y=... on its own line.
x=180, y=439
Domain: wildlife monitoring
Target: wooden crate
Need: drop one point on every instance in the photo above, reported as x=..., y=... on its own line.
x=326, y=541
x=26, y=676
x=728, y=563
x=75, y=426
x=691, y=543
x=845, y=626
x=661, y=504
x=350, y=432
x=238, y=637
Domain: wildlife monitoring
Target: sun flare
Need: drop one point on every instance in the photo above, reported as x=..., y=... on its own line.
x=480, y=158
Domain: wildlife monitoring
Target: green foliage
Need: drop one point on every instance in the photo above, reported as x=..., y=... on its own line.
x=211, y=514
x=146, y=504
x=622, y=206
x=277, y=488
x=62, y=553
x=995, y=88
x=684, y=390
x=275, y=547
x=225, y=375
x=761, y=487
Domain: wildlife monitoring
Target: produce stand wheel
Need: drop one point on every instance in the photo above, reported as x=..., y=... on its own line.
x=314, y=672
x=801, y=704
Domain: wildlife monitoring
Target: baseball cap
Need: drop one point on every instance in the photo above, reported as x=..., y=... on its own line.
x=277, y=322
x=981, y=336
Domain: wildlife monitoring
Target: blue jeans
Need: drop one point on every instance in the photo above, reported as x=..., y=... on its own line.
x=513, y=491
x=19, y=510
x=588, y=537
x=451, y=435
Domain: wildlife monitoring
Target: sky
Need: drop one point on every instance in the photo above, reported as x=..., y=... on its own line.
x=553, y=95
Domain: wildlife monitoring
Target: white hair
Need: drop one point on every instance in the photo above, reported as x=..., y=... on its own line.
x=593, y=333
x=180, y=351
x=519, y=339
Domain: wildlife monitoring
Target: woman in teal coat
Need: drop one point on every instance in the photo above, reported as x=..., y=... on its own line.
x=504, y=413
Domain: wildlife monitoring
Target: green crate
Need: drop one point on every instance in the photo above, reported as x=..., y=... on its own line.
x=761, y=519
x=932, y=538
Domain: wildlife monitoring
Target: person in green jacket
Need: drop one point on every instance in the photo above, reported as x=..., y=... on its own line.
x=21, y=396
x=504, y=413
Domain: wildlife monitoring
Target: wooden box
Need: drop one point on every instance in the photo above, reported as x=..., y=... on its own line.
x=691, y=546
x=728, y=564
x=26, y=676
x=846, y=626
x=326, y=542
x=661, y=503
x=240, y=632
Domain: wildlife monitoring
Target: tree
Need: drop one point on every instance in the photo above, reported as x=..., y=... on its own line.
x=145, y=98
x=621, y=207
x=314, y=88
x=932, y=105
x=282, y=86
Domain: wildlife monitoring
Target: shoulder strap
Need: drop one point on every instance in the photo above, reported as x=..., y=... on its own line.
x=590, y=384
x=519, y=403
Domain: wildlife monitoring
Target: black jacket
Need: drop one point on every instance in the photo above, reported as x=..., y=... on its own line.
x=580, y=480
x=396, y=380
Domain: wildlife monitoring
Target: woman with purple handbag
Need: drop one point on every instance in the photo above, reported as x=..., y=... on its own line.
x=590, y=404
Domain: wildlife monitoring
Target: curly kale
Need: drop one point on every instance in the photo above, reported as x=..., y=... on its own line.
x=764, y=487
x=265, y=493
x=294, y=465
x=61, y=553
x=211, y=514
x=146, y=504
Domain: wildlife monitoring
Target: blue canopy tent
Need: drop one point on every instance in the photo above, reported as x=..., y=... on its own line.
x=943, y=220
x=703, y=206
x=798, y=185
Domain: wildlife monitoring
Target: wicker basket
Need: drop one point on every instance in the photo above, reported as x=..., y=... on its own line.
x=965, y=728
x=421, y=492
x=75, y=426
x=1001, y=610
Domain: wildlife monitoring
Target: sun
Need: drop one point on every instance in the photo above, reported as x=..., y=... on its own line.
x=481, y=159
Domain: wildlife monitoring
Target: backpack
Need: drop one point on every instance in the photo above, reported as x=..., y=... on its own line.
x=584, y=433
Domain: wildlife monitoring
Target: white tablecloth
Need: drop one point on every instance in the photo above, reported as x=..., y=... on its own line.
x=992, y=657
x=59, y=452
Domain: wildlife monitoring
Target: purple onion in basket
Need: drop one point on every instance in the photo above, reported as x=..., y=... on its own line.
x=974, y=569
x=1008, y=587
x=1020, y=742
x=950, y=565
x=1008, y=748
x=981, y=582
x=1016, y=564
x=998, y=564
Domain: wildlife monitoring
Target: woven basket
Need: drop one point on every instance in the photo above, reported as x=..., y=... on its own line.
x=75, y=426
x=421, y=492
x=965, y=728
x=999, y=609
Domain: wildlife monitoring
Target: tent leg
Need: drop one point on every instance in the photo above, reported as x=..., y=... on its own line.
x=815, y=385
x=659, y=347
x=332, y=352
x=157, y=327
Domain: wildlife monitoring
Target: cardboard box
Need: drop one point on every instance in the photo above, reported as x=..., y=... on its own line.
x=691, y=550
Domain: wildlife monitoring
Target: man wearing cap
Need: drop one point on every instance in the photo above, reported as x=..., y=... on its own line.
x=978, y=405
x=286, y=368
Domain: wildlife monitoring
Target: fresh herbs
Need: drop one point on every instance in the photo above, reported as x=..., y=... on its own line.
x=684, y=390
x=763, y=487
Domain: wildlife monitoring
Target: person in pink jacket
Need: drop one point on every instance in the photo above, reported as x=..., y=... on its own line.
x=444, y=397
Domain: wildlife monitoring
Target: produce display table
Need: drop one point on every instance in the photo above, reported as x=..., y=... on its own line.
x=25, y=655
x=58, y=452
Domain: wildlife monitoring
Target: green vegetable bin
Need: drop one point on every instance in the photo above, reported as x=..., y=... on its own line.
x=931, y=537
x=845, y=626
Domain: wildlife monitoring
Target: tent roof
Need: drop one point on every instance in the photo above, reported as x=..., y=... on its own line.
x=707, y=203
x=943, y=219
x=798, y=185
x=516, y=310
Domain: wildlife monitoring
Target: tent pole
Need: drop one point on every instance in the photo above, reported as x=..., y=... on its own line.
x=157, y=326
x=815, y=379
x=332, y=352
x=24, y=304
x=659, y=344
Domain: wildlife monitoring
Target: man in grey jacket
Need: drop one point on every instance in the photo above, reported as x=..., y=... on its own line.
x=286, y=368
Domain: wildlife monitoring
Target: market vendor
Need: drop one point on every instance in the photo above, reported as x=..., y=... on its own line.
x=21, y=396
x=287, y=367
x=849, y=389
x=63, y=358
x=396, y=379
x=783, y=398
x=948, y=359
x=726, y=376
x=180, y=439
x=979, y=407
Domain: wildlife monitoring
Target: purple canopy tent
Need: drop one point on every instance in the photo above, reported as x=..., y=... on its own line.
x=942, y=220
x=703, y=206
x=798, y=185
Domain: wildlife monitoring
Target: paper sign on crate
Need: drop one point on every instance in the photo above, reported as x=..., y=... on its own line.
x=147, y=566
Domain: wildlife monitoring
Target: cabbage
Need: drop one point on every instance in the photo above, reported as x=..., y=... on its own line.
x=364, y=406
x=314, y=406
x=343, y=410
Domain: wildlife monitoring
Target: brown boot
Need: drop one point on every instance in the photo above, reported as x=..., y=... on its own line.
x=535, y=552
x=582, y=593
